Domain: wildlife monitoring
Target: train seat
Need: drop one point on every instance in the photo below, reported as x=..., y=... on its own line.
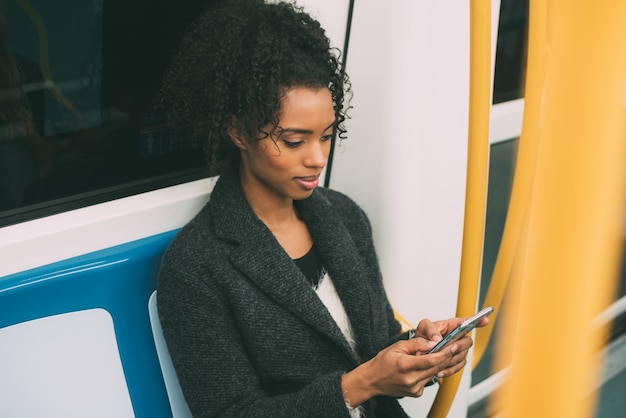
x=76, y=337
x=180, y=409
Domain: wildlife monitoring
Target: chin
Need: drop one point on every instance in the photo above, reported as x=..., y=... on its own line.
x=303, y=195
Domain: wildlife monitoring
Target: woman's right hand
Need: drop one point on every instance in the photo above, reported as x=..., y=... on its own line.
x=403, y=369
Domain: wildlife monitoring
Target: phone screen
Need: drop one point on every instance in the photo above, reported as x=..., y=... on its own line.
x=462, y=329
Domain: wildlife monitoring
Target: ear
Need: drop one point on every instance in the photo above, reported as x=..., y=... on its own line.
x=235, y=134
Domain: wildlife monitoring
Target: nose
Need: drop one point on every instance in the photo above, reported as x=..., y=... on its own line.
x=317, y=154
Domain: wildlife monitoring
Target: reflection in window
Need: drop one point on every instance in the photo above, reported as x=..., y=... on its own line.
x=77, y=81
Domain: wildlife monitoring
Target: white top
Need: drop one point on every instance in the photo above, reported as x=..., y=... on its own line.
x=328, y=295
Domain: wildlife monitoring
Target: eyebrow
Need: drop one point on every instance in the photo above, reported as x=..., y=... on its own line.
x=302, y=130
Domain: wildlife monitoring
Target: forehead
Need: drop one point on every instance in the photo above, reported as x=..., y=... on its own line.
x=307, y=105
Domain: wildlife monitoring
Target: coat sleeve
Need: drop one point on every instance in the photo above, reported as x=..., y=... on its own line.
x=215, y=372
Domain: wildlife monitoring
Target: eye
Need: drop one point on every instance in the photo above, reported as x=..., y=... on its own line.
x=292, y=144
x=326, y=138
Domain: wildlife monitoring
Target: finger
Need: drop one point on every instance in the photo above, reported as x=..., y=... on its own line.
x=483, y=322
x=429, y=365
x=457, y=362
x=417, y=345
x=464, y=343
x=429, y=330
x=423, y=345
x=453, y=355
x=446, y=325
x=453, y=368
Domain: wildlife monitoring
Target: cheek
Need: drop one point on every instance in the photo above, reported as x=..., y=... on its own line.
x=327, y=147
x=263, y=155
x=273, y=160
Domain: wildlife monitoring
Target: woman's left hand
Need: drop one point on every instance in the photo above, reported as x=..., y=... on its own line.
x=434, y=332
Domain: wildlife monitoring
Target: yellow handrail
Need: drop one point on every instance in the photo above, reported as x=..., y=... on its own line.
x=569, y=253
x=476, y=182
x=522, y=181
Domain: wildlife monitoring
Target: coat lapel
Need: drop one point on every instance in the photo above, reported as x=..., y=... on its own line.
x=344, y=264
x=259, y=257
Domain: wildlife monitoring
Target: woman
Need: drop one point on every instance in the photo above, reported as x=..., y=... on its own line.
x=271, y=298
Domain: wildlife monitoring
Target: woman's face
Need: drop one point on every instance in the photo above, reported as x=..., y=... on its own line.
x=288, y=164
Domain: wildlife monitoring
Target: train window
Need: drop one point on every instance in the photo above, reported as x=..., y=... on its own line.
x=501, y=170
x=76, y=122
x=77, y=82
x=511, y=51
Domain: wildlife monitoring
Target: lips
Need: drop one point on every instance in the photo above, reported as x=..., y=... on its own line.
x=308, y=183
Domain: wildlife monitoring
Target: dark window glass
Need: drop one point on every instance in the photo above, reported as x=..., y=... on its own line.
x=77, y=81
x=511, y=51
x=502, y=161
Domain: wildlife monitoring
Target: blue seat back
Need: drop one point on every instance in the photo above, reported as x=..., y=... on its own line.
x=50, y=308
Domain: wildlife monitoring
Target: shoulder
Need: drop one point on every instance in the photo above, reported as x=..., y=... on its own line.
x=339, y=200
x=193, y=245
x=342, y=207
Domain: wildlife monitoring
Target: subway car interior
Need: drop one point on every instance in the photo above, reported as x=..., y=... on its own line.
x=93, y=186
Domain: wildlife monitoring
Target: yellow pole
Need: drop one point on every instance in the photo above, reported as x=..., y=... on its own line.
x=522, y=182
x=513, y=239
x=576, y=210
x=476, y=182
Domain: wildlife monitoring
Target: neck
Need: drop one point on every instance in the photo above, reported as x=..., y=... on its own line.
x=276, y=217
x=275, y=212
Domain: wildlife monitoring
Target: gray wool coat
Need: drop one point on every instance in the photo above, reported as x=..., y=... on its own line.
x=247, y=335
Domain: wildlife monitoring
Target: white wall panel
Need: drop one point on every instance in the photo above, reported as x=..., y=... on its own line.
x=405, y=157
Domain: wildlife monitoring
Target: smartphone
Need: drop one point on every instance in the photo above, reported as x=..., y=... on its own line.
x=462, y=329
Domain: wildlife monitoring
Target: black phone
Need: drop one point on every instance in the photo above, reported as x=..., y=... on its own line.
x=462, y=329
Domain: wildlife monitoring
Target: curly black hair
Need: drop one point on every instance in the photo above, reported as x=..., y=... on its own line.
x=239, y=59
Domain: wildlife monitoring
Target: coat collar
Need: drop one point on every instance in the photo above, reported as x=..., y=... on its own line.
x=258, y=255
